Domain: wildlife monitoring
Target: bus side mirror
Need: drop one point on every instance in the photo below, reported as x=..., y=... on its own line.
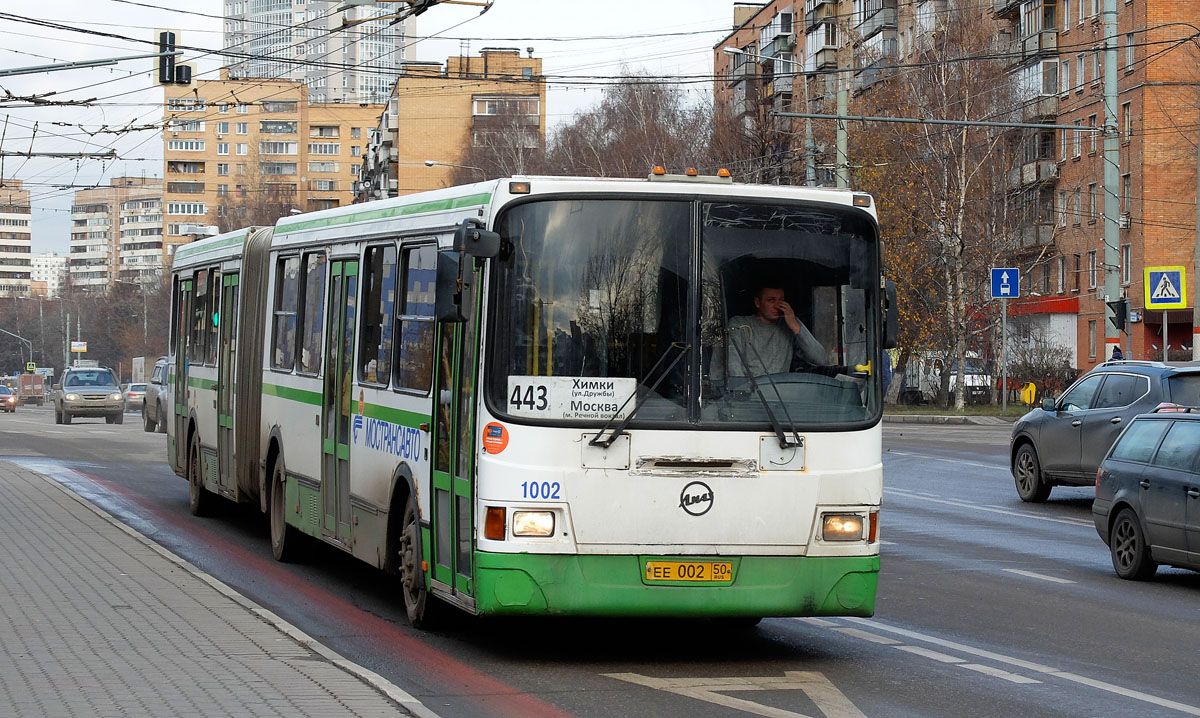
x=447, y=305
x=472, y=238
x=891, y=315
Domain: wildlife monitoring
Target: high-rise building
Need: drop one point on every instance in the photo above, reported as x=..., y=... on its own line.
x=306, y=42
x=449, y=115
x=245, y=152
x=16, y=240
x=49, y=274
x=100, y=249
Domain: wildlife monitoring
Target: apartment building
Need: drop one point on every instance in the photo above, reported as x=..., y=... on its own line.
x=1061, y=46
x=48, y=275
x=306, y=42
x=450, y=113
x=16, y=238
x=99, y=247
x=241, y=152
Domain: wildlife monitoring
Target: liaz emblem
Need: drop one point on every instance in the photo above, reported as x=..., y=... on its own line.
x=696, y=498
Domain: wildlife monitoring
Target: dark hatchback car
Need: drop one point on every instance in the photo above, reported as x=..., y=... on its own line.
x=1147, y=506
x=1063, y=442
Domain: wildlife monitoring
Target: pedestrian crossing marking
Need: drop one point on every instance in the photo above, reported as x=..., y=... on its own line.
x=1165, y=289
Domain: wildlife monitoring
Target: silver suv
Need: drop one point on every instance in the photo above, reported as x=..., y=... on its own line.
x=88, y=392
x=156, y=402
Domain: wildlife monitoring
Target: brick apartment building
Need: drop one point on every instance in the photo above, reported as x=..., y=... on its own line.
x=116, y=234
x=16, y=238
x=1057, y=58
x=444, y=113
x=228, y=141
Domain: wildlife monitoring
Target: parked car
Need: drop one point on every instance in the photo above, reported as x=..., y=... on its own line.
x=156, y=402
x=1063, y=442
x=1147, y=506
x=8, y=400
x=134, y=394
x=91, y=391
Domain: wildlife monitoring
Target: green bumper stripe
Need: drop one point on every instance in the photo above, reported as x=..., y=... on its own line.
x=613, y=586
x=419, y=208
x=286, y=392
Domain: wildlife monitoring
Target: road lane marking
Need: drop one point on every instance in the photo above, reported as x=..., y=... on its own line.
x=819, y=622
x=1031, y=666
x=829, y=700
x=928, y=653
x=998, y=673
x=867, y=636
x=956, y=462
x=1031, y=574
x=988, y=508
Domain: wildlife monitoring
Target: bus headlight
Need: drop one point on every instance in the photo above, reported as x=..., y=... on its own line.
x=841, y=527
x=533, y=523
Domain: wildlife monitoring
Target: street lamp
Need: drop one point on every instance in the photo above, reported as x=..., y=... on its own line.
x=28, y=344
x=810, y=172
x=435, y=163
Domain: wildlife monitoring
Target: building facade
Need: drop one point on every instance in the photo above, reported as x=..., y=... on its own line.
x=99, y=247
x=305, y=41
x=49, y=274
x=240, y=152
x=450, y=114
x=16, y=238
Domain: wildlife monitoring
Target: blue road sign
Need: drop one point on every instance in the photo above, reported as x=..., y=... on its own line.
x=1006, y=283
x=1166, y=287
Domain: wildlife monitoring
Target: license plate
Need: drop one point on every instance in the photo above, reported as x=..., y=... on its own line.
x=697, y=571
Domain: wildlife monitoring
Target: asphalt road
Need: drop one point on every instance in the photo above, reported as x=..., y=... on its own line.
x=987, y=606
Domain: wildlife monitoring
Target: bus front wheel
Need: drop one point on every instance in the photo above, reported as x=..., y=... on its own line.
x=200, y=501
x=418, y=604
x=284, y=538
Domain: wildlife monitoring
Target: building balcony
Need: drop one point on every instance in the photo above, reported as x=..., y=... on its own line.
x=883, y=18
x=825, y=59
x=1039, y=43
x=1004, y=8
x=1040, y=108
x=1035, y=236
x=819, y=10
x=780, y=45
x=1034, y=172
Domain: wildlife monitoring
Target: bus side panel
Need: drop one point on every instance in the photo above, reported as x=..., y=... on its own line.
x=202, y=404
x=293, y=404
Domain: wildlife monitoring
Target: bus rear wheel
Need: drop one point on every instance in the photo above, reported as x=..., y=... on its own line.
x=418, y=604
x=284, y=538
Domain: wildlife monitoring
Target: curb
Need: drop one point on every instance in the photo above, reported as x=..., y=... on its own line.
x=941, y=419
x=396, y=694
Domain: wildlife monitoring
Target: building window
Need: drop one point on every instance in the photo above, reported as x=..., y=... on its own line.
x=222, y=148
x=1066, y=136
x=1097, y=66
x=1093, y=206
x=1062, y=273
x=1077, y=206
x=277, y=127
x=279, y=105
x=1066, y=15
x=222, y=128
x=1092, y=134
x=1076, y=273
x=1062, y=208
x=1092, y=269
x=222, y=190
x=1126, y=188
x=186, y=208
x=243, y=128
x=1077, y=140
x=185, y=145
x=1046, y=278
x=322, y=166
x=1127, y=121
x=1092, y=338
x=222, y=108
x=222, y=168
x=278, y=148
x=243, y=108
x=355, y=132
x=1065, y=77
x=355, y=151
x=1081, y=72
x=1126, y=255
x=242, y=148
x=324, y=148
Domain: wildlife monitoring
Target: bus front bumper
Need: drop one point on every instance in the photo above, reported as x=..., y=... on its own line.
x=599, y=585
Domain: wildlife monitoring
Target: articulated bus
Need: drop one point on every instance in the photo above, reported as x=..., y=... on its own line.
x=521, y=396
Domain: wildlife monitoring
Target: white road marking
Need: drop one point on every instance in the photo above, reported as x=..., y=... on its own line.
x=998, y=673
x=956, y=462
x=867, y=636
x=887, y=543
x=987, y=508
x=1031, y=574
x=1031, y=666
x=928, y=653
x=819, y=622
x=829, y=700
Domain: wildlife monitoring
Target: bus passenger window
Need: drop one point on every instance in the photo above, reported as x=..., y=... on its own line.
x=213, y=317
x=287, y=296
x=414, y=362
x=314, y=316
x=379, y=299
x=199, y=331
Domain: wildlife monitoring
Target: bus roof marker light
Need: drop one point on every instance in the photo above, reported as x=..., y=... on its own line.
x=691, y=172
x=658, y=171
x=723, y=173
x=518, y=188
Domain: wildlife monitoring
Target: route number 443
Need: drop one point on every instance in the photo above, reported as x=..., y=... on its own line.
x=529, y=398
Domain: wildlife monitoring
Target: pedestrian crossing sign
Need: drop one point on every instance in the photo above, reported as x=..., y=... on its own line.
x=1166, y=287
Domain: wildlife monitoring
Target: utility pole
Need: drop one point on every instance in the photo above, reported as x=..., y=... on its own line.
x=1196, y=269
x=1112, y=179
x=843, y=105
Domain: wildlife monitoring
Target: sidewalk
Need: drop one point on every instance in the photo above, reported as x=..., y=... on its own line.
x=97, y=620
x=954, y=419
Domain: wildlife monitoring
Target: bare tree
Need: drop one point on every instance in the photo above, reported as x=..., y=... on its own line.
x=262, y=193
x=507, y=143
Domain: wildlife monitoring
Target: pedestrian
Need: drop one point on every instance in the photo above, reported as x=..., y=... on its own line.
x=1116, y=353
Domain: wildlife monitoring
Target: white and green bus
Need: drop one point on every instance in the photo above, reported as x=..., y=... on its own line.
x=520, y=396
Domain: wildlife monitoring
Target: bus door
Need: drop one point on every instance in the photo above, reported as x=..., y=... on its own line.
x=339, y=360
x=179, y=398
x=226, y=361
x=452, y=522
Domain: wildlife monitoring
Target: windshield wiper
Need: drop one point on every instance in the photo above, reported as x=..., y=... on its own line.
x=784, y=441
x=620, y=428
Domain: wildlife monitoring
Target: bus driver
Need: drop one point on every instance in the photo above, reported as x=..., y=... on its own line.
x=767, y=341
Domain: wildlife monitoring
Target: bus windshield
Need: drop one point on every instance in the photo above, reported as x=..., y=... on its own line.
x=701, y=313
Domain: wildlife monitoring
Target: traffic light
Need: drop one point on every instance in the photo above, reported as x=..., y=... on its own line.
x=171, y=72
x=1120, y=309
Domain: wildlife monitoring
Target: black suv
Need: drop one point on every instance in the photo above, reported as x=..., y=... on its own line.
x=1147, y=506
x=1063, y=442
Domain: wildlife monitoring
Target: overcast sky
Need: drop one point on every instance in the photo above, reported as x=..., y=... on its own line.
x=587, y=40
